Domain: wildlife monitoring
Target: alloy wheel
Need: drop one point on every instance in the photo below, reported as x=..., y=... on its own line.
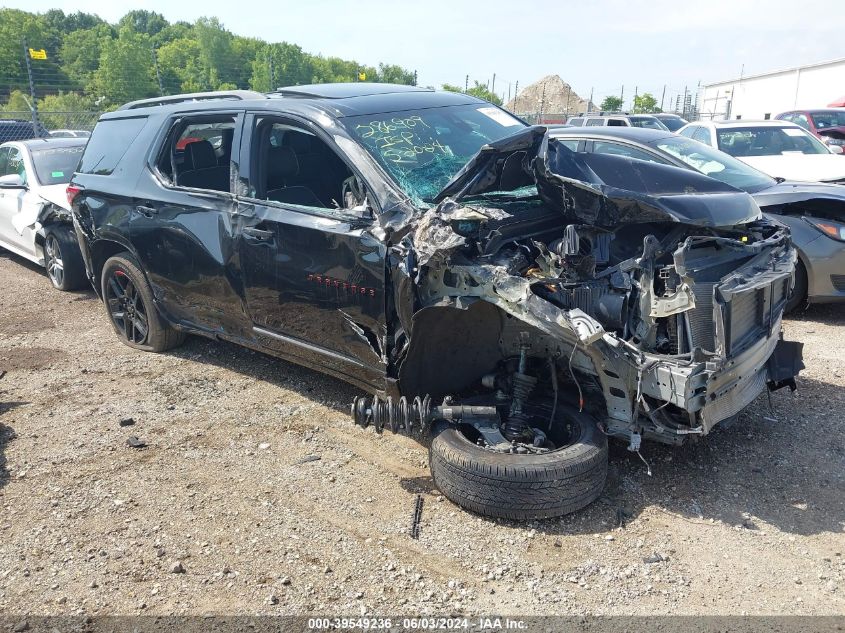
x=126, y=308
x=53, y=261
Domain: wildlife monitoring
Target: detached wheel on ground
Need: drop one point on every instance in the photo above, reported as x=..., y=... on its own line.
x=129, y=304
x=62, y=258
x=529, y=486
x=798, y=299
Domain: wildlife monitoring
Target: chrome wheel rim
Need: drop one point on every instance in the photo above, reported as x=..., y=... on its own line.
x=53, y=261
x=126, y=308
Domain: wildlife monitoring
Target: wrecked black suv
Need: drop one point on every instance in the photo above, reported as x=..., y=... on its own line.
x=510, y=301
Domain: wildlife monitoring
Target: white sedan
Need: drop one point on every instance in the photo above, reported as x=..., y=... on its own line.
x=35, y=220
x=777, y=148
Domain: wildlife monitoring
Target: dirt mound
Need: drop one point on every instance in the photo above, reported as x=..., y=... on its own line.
x=550, y=94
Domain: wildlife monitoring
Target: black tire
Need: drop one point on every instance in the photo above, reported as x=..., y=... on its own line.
x=130, y=307
x=62, y=258
x=798, y=299
x=533, y=486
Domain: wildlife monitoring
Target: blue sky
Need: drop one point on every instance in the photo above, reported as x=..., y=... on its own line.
x=591, y=45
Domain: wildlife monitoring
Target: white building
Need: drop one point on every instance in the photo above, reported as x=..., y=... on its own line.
x=766, y=95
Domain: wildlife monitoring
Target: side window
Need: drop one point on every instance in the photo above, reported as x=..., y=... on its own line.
x=198, y=153
x=4, y=160
x=594, y=122
x=703, y=135
x=15, y=164
x=109, y=141
x=576, y=121
x=617, y=122
x=802, y=120
x=568, y=143
x=618, y=149
x=689, y=131
x=291, y=165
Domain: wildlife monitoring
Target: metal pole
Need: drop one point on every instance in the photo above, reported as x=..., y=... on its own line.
x=36, y=127
x=542, y=103
x=515, y=97
x=158, y=74
x=663, y=97
x=466, y=84
x=568, y=95
x=271, y=71
x=622, y=96
x=493, y=87
x=415, y=77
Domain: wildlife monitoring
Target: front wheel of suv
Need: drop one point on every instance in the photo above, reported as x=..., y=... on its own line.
x=129, y=304
x=522, y=486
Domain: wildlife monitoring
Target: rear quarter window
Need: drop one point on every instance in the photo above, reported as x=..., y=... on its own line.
x=108, y=144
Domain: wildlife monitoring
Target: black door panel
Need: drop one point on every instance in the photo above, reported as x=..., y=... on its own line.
x=314, y=286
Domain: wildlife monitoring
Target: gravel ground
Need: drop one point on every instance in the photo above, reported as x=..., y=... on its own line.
x=220, y=514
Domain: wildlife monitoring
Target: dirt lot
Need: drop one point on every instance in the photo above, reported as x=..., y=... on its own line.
x=218, y=514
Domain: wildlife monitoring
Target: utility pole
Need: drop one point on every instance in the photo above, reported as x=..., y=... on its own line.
x=590, y=102
x=509, y=93
x=415, y=77
x=466, y=84
x=542, y=103
x=515, y=96
x=158, y=74
x=493, y=87
x=662, y=97
x=622, y=96
x=36, y=127
x=270, y=73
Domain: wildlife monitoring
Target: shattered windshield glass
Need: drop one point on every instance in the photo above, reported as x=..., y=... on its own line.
x=424, y=149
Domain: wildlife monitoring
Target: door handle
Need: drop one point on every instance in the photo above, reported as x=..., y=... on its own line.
x=259, y=235
x=146, y=211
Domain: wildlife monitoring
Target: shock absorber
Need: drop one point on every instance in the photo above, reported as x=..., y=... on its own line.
x=522, y=385
x=413, y=417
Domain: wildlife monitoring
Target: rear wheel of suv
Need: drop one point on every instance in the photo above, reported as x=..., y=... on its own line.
x=62, y=258
x=129, y=304
x=528, y=486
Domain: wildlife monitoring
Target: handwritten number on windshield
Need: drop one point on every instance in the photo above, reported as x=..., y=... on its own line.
x=401, y=140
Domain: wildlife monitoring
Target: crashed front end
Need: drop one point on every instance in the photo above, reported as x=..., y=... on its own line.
x=648, y=295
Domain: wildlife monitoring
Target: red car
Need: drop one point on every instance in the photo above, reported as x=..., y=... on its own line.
x=828, y=124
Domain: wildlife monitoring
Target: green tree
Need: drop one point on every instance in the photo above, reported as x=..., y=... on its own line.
x=611, y=104
x=645, y=103
x=80, y=52
x=57, y=20
x=15, y=26
x=481, y=91
x=53, y=109
x=126, y=71
x=18, y=102
x=289, y=64
x=393, y=74
x=143, y=21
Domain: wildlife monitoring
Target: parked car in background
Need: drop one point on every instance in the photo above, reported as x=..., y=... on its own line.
x=673, y=122
x=778, y=148
x=430, y=248
x=35, y=219
x=19, y=129
x=617, y=119
x=814, y=212
x=827, y=124
x=70, y=133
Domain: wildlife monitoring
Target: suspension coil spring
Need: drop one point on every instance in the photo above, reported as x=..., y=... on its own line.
x=401, y=416
x=517, y=422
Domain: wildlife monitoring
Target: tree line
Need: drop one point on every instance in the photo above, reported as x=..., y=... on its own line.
x=94, y=65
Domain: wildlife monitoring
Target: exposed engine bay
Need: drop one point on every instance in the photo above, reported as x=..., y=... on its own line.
x=647, y=298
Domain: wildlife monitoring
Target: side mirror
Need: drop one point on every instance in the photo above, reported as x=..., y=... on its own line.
x=834, y=149
x=12, y=181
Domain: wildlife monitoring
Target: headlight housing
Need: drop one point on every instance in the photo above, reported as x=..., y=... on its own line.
x=834, y=230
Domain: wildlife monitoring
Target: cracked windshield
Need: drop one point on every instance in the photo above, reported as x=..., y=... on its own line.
x=424, y=149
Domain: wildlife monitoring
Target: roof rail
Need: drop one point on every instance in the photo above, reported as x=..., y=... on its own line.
x=235, y=95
